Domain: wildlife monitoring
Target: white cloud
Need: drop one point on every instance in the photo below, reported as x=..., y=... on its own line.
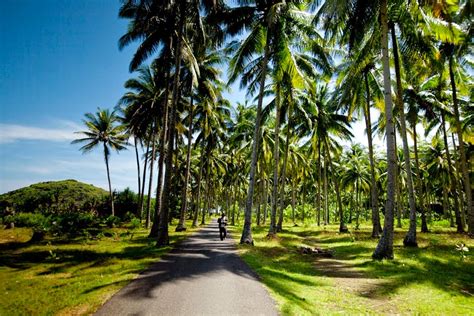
x=10, y=133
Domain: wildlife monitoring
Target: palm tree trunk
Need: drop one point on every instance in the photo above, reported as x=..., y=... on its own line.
x=398, y=185
x=203, y=218
x=145, y=165
x=424, y=225
x=265, y=202
x=318, y=198
x=376, y=228
x=459, y=186
x=462, y=152
x=247, y=231
x=410, y=238
x=198, y=198
x=161, y=159
x=283, y=171
x=236, y=203
x=325, y=180
x=163, y=237
x=138, y=214
x=452, y=180
x=150, y=181
x=184, y=201
x=384, y=247
x=357, y=206
x=260, y=201
x=293, y=201
x=342, y=226
x=276, y=155
x=106, y=156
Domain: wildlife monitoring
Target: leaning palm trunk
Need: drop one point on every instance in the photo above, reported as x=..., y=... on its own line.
x=163, y=237
x=462, y=152
x=273, y=228
x=384, y=247
x=410, y=238
x=184, y=201
x=106, y=156
x=247, y=231
x=452, y=180
x=376, y=228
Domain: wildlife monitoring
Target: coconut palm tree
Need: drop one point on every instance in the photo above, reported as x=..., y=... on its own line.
x=103, y=130
x=261, y=18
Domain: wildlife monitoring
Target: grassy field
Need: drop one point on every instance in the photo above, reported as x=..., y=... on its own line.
x=429, y=280
x=71, y=277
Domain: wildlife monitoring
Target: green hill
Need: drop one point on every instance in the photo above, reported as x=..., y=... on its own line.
x=55, y=197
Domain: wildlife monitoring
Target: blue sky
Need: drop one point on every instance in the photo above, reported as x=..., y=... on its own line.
x=59, y=60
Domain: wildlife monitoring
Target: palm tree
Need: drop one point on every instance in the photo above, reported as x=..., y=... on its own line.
x=262, y=19
x=357, y=19
x=142, y=113
x=102, y=129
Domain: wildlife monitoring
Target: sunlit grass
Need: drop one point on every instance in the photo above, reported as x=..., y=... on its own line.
x=70, y=276
x=431, y=279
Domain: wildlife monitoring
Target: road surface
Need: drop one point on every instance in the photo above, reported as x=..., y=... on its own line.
x=202, y=276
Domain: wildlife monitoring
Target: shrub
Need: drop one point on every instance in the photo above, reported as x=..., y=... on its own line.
x=73, y=223
x=112, y=221
x=36, y=221
x=135, y=223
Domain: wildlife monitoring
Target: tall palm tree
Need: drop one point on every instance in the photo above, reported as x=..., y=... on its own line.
x=357, y=19
x=142, y=110
x=103, y=130
x=454, y=44
x=261, y=19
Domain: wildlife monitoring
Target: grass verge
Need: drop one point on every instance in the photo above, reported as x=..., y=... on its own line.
x=431, y=279
x=71, y=276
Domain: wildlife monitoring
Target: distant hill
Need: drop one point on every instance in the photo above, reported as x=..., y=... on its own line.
x=55, y=197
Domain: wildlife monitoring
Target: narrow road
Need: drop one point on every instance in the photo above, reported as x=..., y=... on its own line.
x=202, y=276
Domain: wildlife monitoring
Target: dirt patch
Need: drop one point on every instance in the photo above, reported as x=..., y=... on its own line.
x=347, y=278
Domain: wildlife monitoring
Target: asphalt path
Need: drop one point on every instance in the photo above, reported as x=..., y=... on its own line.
x=202, y=276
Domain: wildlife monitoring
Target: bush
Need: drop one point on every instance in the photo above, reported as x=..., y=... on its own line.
x=112, y=221
x=36, y=221
x=135, y=223
x=73, y=223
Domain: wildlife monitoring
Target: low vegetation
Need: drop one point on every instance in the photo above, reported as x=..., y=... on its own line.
x=71, y=275
x=432, y=279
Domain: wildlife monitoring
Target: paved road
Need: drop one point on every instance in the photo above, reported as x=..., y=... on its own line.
x=203, y=276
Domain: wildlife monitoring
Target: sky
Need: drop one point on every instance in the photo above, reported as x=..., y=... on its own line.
x=59, y=60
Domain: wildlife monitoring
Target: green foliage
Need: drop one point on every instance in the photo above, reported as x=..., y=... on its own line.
x=55, y=197
x=135, y=223
x=73, y=223
x=126, y=204
x=112, y=221
x=36, y=221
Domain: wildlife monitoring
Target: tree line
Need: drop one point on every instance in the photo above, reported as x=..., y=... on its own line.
x=310, y=69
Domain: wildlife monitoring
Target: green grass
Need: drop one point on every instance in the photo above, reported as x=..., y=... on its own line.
x=71, y=276
x=431, y=279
